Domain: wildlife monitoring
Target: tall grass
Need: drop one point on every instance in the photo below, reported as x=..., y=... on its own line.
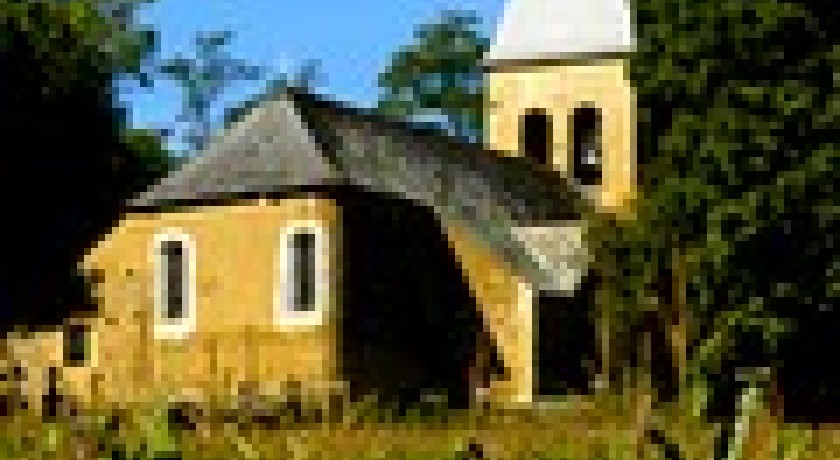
x=600, y=428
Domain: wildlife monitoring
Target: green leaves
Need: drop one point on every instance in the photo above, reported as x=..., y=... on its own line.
x=203, y=78
x=439, y=75
x=72, y=37
x=737, y=106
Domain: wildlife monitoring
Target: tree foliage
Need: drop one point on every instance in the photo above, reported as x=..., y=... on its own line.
x=738, y=103
x=203, y=78
x=69, y=158
x=148, y=146
x=440, y=75
x=105, y=29
x=307, y=76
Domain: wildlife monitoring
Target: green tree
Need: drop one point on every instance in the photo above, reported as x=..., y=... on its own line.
x=106, y=29
x=203, y=78
x=149, y=146
x=440, y=75
x=738, y=103
x=308, y=76
x=68, y=163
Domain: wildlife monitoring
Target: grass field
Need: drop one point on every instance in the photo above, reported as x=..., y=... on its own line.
x=603, y=427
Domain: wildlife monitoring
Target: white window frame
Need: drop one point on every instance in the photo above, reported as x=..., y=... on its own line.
x=166, y=328
x=284, y=314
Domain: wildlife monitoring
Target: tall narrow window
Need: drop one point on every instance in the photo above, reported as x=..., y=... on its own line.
x=302, y=290
x=174, y=283
x=75, y=345
x=172, y=257
x=586, y=144
x=303, y=271
x=535, y=139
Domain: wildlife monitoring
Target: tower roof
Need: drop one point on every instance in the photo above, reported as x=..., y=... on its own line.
x=546, y=29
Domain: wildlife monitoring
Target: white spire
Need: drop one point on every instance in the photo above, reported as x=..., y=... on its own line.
x=532, y=29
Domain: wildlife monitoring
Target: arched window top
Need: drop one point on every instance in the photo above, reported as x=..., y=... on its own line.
x=537, y=112
x=535, y=136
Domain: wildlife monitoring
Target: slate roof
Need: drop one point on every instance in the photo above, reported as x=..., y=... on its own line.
x=545, y=29
x=298, y=139
x=268, y=150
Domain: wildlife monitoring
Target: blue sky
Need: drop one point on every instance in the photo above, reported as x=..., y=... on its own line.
x=352, y=40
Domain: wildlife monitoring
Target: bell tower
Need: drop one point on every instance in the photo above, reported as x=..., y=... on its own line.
x=559, y=92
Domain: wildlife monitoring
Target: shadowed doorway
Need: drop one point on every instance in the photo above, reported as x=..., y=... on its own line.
x=566, y=345
x=409, y=321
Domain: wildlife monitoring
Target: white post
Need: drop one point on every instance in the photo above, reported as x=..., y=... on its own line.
x=525, y=379
x=747, y=406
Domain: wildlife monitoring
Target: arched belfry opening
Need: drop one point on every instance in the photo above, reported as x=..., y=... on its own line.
x=535, y=136
x=586, y=144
